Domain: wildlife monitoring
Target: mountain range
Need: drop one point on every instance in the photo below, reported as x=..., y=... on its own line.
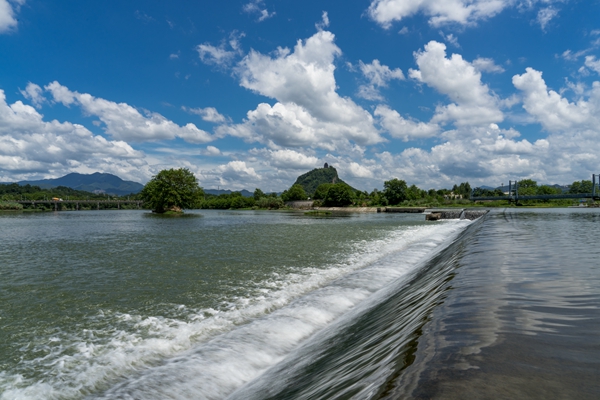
x=104, y=183
x=95, y=183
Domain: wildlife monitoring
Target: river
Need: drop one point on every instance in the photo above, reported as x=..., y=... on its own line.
x=256, y=305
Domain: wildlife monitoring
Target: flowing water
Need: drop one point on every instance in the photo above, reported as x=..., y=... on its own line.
x=257, y=305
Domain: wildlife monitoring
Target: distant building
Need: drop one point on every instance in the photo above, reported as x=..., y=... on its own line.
x=326, y=165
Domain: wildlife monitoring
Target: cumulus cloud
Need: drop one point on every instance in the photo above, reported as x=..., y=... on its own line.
x=33, y=93
x=308, y=111
x=209, y=114
x=359, y=171
x=125, y=122
x=235, y=175
x=257, y=7
x=450, y=38
x=402, y=128
x=479, y=153
x=553, y=111
x=545, y=15
x=8, y=11
x=592, y=63
x=440, y=12
x=224, y=54
x=32, y=147
x=378, y=76
x=291, y=159
x=213, y=151
x=324, y=22
x=473, y=104
x=487, y=65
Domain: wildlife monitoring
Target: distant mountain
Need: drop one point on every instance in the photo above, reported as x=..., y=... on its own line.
x=312, y=179
x=217, y=192
x=95, y=183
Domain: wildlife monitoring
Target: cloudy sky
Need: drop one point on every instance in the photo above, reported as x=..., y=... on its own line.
x=254, y=93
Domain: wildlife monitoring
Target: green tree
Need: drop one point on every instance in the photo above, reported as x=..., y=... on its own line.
x=339, y=195
x=321, y=191
x=258, y=194
x=545, y=189
x=413, y=193
x=171, y=190
x=270, y=203
x=464, y=189
x=581, y=187
x=296, y=192
x=395, y=191
x=527, y=187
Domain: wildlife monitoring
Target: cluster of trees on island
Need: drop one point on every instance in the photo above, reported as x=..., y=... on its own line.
x=172, y=190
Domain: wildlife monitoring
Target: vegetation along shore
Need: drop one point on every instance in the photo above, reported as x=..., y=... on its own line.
x=320, y=189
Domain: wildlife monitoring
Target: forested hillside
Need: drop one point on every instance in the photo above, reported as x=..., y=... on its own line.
x=312, y=179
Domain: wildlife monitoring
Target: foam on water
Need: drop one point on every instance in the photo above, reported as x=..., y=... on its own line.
x=210, y=353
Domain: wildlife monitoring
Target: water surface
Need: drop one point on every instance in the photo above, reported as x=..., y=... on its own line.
x=259, y=305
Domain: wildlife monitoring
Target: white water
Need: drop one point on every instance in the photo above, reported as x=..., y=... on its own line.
x=211, y=353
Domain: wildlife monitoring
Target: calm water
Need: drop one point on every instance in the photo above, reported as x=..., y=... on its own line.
x=255, y=305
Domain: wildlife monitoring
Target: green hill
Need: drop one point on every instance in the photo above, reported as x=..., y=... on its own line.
x=310, y=180
x=96, y=182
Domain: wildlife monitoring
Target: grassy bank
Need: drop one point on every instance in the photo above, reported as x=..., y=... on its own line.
x=10, y=206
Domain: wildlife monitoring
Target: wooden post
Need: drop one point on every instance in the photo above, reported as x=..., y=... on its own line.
x=98, y=206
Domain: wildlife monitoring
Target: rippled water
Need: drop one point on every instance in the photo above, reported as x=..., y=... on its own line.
x=256, y=305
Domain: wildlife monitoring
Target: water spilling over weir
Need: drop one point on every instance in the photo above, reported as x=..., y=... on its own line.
x=251, y=305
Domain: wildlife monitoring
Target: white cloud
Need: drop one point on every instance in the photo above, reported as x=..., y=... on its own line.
x=291, y=159
x=473, y=104
x=324, y=21
x=378, y=76
x=209, y=114
x=402, y=128
x=33, y=92
x=450, y=38
x=32, y=147
x=592, y=63
x=224, y=54
x=487, y=65
x=257, y=7
x=359, y=171
x=8, y=20
x=545, y=15
x=440, y=12
x=571, y=56
x=213, y=151
x=126, y=122
x=554, y=112
x=210, y=54
x=309, y=111
x=235, y=175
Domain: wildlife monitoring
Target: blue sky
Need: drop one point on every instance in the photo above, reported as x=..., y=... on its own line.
x=254, y=93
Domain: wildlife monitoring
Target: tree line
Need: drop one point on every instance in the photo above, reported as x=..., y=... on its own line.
x=176, y=189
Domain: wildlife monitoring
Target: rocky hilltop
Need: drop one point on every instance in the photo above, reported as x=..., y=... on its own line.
x=310, y=180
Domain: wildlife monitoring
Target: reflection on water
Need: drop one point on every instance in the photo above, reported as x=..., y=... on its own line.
x=523, y=317
x=256, y=305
